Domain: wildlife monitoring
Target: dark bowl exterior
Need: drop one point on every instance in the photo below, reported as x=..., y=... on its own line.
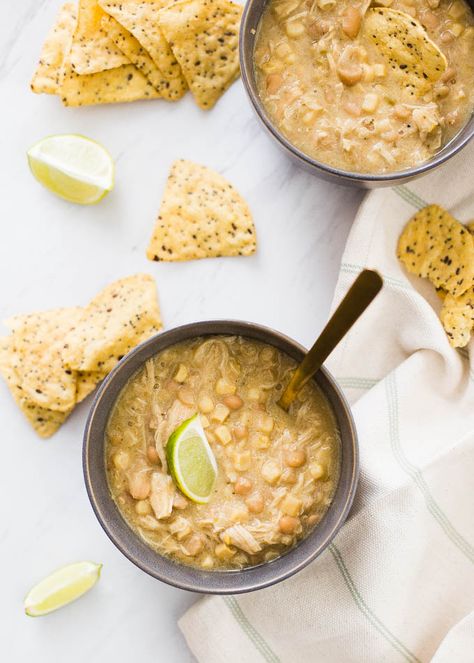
x=248, y=33
x=185, y=577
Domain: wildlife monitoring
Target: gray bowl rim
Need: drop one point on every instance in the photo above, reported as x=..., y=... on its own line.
x=451, y=148
x=187, y=577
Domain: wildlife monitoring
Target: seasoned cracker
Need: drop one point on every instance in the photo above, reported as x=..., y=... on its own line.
x=45, y=422
x=132, y=48
x=204, y=37
x=201, y=216
x=114, y=86
x=37, y=341
x=87, y=381
x=140, y=18
x=49, y=73
x=411, y=55
x=436, y=246
x=92, y=51
x=120, y=317
x=457, y=316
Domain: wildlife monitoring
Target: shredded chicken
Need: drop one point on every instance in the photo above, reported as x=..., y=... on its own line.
x=161, y=494
x=239, y=536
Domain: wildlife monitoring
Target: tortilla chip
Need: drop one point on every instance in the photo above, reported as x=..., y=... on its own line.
x=414, y=59
x=470, y=227
x=201, y=216
x=114, y=86
x=37, y=342
x=436, y=246
x=120, y=317
x=87, y=381
x=92, y=51
x=457, y=316
x=204, y=37
x=49, y=73
x=132, y=48
x=140, y=18
x=45, y=422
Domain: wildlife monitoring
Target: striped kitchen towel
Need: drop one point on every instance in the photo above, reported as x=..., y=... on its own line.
x=397, y=583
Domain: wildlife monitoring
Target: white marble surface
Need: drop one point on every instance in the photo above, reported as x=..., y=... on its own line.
x=56, y=254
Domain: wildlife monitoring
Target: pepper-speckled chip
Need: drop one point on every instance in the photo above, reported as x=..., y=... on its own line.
x=204, y=37
x=201, y=216
x=87, y=381
x=37, y=341
x=92, y=51
x=412, y=57
x=132, y=48
x=114, y=86
x=436, y=246
x=121, y=316
x=49, y=73
x=140, y=18
x=45, y=422
x=457, y=316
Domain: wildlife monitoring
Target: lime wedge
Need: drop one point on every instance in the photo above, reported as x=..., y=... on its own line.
x=73, y=167
x=191, y=461
x=61, y=587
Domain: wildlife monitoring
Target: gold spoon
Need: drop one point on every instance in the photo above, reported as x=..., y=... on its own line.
x=362, y=292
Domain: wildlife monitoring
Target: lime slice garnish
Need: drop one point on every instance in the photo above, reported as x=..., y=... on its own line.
x=61, y=587
x=73, y=167
x=191, y=461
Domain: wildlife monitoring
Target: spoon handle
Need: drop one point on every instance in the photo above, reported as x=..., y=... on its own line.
x=362, y=292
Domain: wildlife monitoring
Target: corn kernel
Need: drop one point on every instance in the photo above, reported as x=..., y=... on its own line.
x=259, y=440
x=294, y=29
x=220, y=414
x=264, y=422
x=317, y=471
x=291, y=505
x=205, y=421
x=181, y=373
x=242, y=460
x=271, y=472
x=205, y=404
x=254, y=394
x=122, y=460
x=379, y=70
x=223, y=435
x=224, y=387
x=370, y=102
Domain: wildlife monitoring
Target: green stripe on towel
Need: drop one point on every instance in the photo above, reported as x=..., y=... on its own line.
x=409, y=197
x=249, y=630
x=415, y=473
x=367, y=612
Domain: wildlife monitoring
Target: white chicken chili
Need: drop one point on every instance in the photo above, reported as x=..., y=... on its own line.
x=276, y=471
x=369, y=87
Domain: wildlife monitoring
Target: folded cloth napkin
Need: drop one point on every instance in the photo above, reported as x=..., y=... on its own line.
x=397, y=583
